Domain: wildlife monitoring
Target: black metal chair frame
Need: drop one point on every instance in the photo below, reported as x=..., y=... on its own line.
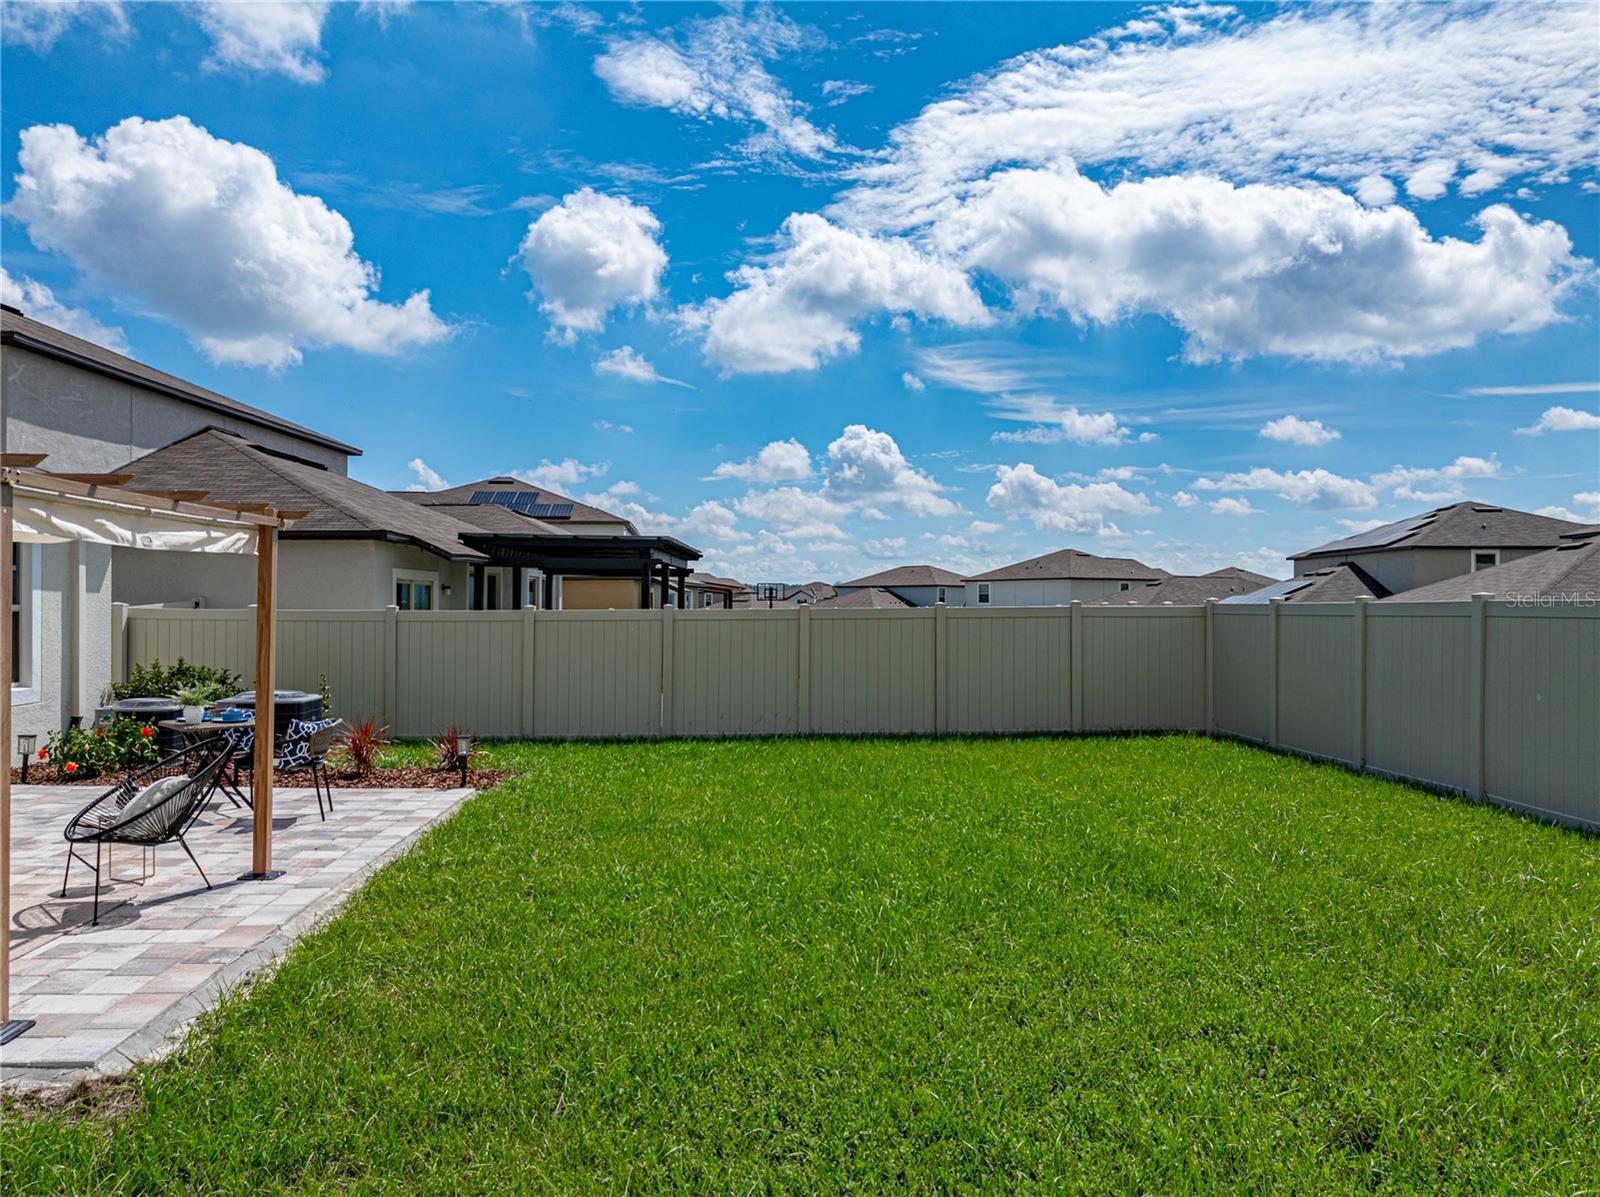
x=103, y=821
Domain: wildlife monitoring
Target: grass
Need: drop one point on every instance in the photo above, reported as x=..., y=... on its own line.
x=1142, y=964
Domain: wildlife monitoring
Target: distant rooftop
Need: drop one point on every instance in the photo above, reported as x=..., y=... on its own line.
x=1465, y=525
x=1073, y=563
x=908, y=575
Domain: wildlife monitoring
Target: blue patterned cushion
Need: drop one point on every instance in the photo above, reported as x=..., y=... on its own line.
x=295, y=751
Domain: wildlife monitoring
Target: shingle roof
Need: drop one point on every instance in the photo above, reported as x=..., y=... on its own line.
x=1182, y=591
x=1332, y=584
x=37, y=337
x=232, y=469
x=909, y=575
x=871, y=597
x=1569, y=573
x=1466, y=525
x=1072, y=563
x=716, y=582
x=491, y=517
x=582, y=513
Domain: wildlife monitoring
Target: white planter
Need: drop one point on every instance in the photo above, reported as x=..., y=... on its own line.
x=193, y=714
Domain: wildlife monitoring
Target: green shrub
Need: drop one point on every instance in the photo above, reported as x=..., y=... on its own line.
x=156, y=681
x=96, y=751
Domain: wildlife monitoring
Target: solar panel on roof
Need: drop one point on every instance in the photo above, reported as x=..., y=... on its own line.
x=1378, y=538
x=523, y=502
x=1267, y=593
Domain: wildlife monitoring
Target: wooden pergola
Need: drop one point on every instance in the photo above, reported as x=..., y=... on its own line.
x=50, y=508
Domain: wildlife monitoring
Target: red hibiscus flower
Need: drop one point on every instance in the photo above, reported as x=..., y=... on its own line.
x=147, y=731
x=70, y=766
x=44, y=755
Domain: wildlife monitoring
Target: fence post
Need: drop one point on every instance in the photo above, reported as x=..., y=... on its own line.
x=1359, y=745
x=666, y=671
x=1211, y=666
x=1075, y=615
x=391, y=665
x=802, y=689
x=941, y=668
x=119, y=642
x=1272, y=711
x=1477, y=693
x=530, y=648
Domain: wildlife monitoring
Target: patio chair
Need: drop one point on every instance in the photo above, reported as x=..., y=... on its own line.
x=151, y=806
x=305, y=745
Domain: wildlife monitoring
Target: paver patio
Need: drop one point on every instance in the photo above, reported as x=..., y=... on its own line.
x=107, y=995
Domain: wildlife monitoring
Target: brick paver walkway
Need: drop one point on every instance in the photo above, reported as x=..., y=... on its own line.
x=166, y=947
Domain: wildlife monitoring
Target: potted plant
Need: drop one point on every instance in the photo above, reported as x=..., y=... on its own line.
x=195, y=697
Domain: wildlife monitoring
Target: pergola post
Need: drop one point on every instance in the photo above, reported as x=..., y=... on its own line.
x=6, y=649
x=266, y=706
x=682, y=575
x=645, y=573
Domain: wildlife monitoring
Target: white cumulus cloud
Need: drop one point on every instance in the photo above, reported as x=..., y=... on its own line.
x=626, y=362
x=867, y=468
x=1232, y=505
x=911, y=382
x=38, y=24
x=798, y=308
x=569, y=473
x=34, y=299
x=207, y=236
x=779, y=461
x=1021, y=490
x=1295, y=431
x=268, y=36
x=1562, y=419
x=1437, y=484
x=428, y=478
x=1317, y=488
x=591, y=253
x=1585, y=509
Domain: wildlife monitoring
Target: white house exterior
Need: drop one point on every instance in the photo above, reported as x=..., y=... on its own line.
x=1058, y=578
x=919, y=585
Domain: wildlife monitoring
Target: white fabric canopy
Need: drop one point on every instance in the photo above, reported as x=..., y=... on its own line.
x=45, y=517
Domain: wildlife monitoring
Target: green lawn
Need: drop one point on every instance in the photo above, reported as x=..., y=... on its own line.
x=1142, y=964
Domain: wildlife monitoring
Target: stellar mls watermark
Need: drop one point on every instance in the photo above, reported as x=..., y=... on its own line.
x=1570, y=598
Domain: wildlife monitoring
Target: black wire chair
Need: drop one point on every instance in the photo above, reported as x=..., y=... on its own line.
x=297, y=748
x=107, y=820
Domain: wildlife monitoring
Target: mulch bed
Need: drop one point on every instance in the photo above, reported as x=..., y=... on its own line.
x=408, y=777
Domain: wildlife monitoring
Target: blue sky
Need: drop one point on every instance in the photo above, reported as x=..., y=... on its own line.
x=825, y=288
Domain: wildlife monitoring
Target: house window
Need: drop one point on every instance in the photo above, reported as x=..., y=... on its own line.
x=1485, y=559
x=983, y=593
x=16, y=614
x=941, y=595
x=415, y=592
x=707, y=598
x=1123, y=586
x=26, y=624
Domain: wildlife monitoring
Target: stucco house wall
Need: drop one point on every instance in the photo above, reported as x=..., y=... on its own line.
x=1048, y=592
x=920, y=596
x=1406, y=569
x=89, y=422
x=66, y=636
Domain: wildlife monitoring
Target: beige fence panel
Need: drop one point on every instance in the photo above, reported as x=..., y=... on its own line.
x=1144, y=668
x=223, y=639
x=597, y=673
x=1319, y=675
x=1006, y=670
x=1241, y=669
x=1419, y=692
x=734, y=673
x=458, y=667
x=351, y=649
x=871, y=671
x=1542, y=711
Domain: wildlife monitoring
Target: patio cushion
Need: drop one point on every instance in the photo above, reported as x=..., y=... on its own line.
x=153, y=794
x=295, y=752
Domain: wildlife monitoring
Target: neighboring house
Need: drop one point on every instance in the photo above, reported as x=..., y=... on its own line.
x=710, y=591
x=1422, y=549
x=1056, y=578
x=1191, y=591
x=918, y=585
x=90, y=410
x=1567, y=574
x=1331, y=584
x=772, y=594
x=566, y=514
x=869, y=598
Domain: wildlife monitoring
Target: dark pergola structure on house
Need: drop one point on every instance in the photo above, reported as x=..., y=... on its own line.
x=656, y=562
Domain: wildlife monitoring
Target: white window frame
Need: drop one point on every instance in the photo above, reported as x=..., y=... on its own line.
x=426, y=577
x=1472, y=559
x=939, y=595
x=983, y=594
x=28, y=596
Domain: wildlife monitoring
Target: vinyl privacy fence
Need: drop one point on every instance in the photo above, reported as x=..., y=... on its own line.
x=1497, y=701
